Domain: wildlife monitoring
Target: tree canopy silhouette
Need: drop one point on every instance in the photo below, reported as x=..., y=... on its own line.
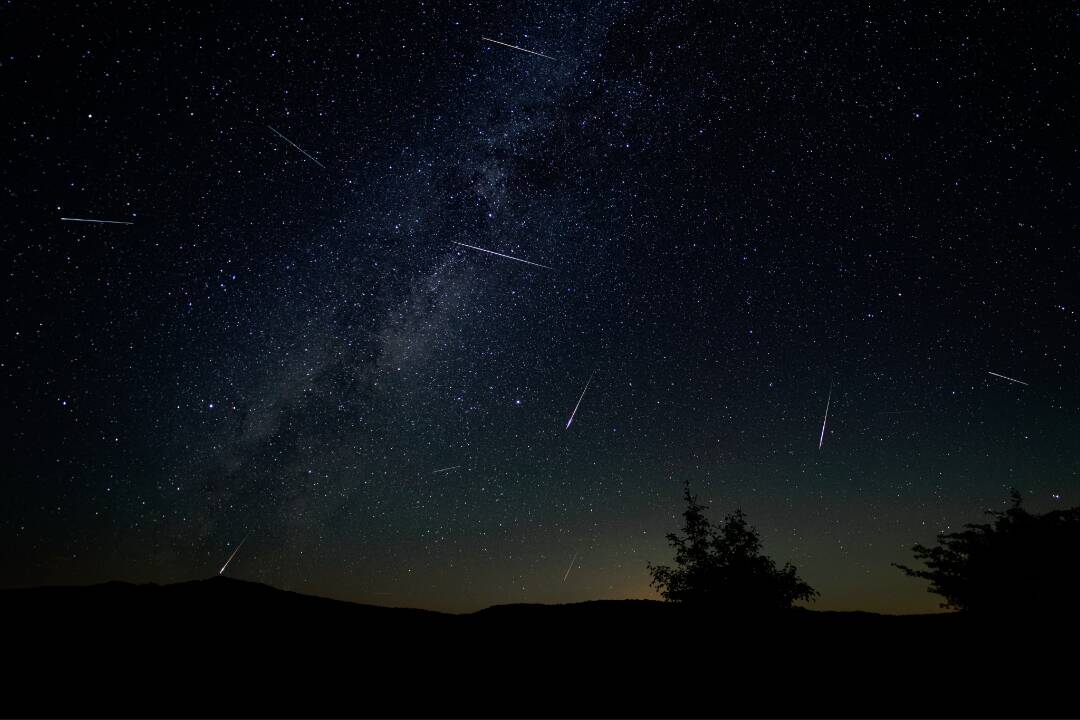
x=1021, y=561
x=723, y=566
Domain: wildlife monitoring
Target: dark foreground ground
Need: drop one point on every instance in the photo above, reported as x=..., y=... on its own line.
x=230, y=648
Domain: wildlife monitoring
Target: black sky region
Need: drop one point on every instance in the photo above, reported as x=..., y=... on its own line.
x=741, y=206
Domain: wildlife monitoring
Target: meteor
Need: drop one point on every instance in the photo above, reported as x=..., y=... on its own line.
x=448, y=469
x=297, y=147
x=579, y=401
x=103, y=222
x=821, y=441
x=570, y=568
x=509, y=257
x=515, y=47
x=222, y=570
x=1018, y=382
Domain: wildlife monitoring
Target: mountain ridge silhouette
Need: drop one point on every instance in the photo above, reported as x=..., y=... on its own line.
x=122, y=649
x=238, y=582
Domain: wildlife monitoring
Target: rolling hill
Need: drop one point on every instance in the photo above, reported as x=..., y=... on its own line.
x=225, y=647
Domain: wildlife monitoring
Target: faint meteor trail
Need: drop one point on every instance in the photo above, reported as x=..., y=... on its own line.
x=508, y=257
x=103, y=222
x=570, y=568
x=515, y=47
x=297, y=147
x=579, y=401
x=222, y=570
x=1003, y=377
x=821, y=441
x=447, y=469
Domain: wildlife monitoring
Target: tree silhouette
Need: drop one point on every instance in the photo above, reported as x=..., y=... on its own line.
x=1021, y=561
x=723, y=566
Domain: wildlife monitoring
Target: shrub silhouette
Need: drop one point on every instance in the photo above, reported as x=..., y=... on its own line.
x=723, y=566
x=1019, y=562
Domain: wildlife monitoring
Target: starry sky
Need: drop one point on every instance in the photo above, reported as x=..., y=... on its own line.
x=735, y=209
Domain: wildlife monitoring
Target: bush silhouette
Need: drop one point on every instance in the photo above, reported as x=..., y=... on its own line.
x=723, y=566
x=1019, y=562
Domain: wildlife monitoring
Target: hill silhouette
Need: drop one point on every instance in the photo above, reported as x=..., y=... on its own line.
x=226, y=647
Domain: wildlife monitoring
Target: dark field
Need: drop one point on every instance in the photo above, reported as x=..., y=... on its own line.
x=230, y=648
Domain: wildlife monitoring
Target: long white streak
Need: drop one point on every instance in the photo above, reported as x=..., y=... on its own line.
x=821, y=441
x=579, y=401
x=570, y=568
x=517, y=48
x=234, y=554
x=297, y=147
x=452, y=467
x=508, y=257
x=103, y=222
x=1003, y=377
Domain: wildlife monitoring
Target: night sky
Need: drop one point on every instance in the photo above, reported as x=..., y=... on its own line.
x=740, y=206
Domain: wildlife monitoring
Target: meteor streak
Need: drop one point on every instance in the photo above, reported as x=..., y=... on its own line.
x=1018, y=382
x=515, y=47
x=222, y=570
x=297, y=147
x=103, y=222
x=570, y=568
x=579, y=401
x=821, y=441
x=448, y=469
x=509, y=257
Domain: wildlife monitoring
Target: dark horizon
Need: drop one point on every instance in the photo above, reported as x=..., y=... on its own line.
x=139, y=651
x=232, y=582
x=438, y=306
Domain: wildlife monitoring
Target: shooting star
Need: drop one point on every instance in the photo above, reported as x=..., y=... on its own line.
x=298, y=148
x=508, y=257
x=579, y=401
x=1003, y=377
x=821, y=441
x=102, y=222
x=453, y=467
x=222, y=570
x=515, y=47
x=570, y=568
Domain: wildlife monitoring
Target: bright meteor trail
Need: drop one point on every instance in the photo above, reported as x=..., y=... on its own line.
x=821, y=441
x=570, y=568
x=222, y=570
x=297, y=147
x=508, y=257
x=579, y=401
x=1003, y=377
x=103, y=222
x=446, y=469
x=515, y=47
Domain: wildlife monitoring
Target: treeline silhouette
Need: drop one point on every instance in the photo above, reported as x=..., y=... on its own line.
x=1021, y=562
x=723, y=566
